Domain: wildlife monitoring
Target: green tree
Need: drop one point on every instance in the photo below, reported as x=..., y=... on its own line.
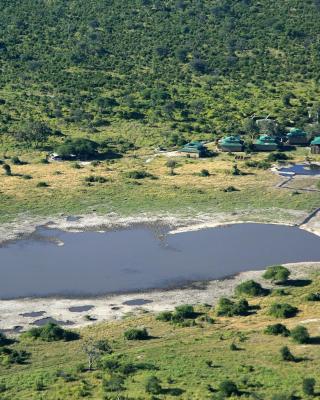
x=286, y=354
x=171, y=164
x=7, y=169
x=228, y=388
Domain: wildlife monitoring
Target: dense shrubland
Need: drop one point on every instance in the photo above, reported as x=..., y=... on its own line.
x=173, y=70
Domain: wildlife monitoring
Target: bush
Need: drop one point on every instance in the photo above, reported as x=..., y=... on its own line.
x=136, y=334
x=313, y=297
x=114, y=384
x=4, y=340
x=228, y=388
x=17, y=161
x=165, y=316
x=300, y=334
x=277, y=329
x=153, y=385
x=92, y=179
x=250, y=288
x=230, y=189
x=51, y=332
x=9, y=356
x=185, y=311
x=228, y=308
x=80, y=148
x=308, y=385
x=277, y=273
x=42, y=185
x=7, y=169
x=277, y=157
x=286, y=354
x=258, y=164
x=139, y=174
x=283, y=310
x=204, y=173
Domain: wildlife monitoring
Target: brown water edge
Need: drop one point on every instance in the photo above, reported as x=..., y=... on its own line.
x=107, y=308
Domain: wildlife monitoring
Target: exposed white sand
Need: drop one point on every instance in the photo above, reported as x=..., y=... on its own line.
x=112, y=307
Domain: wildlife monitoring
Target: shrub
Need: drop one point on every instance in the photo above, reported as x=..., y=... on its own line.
x=7, y=169
x=9, y=356
x=136, y=334
x=204, y=173
x=92, y=179
x=313, y=297
x=81, y=148
x=26, y=177
x=51, y=332
x=277, y=157
x=4, y=340
x=286, y=354
x=283, y=310
x=113, y=384
x=250, y=288
x=165, y=316
x=228, y=308
x=185, y=311
x=277, y=329
x=300, y=334
x=228, y=388
x=277, y=273
x=16, y=161
x=230, y=189
x=139, y=174
x=308, y=385
x=153, y=385
x=42, y=184
x=258, y=164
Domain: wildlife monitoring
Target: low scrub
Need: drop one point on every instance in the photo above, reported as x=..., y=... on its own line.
x=313, y=297
x=229, y=308
x=95, y=179
x=300, y=334
x=250, y=288
x=136, y=174
x=277, y=329
x=136, y=334
x=51, y=332
x=283, y=310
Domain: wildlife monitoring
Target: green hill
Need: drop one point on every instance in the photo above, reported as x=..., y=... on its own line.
x=155, y=72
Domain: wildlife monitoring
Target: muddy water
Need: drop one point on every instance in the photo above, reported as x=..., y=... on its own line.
x=139, y=258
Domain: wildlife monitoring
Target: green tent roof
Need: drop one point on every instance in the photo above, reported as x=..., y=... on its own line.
x=265, y=140
x=231, y=141
x=316, y=141
x=193, y=147
x=296, y=132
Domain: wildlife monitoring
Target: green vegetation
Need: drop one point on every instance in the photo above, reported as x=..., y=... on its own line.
x=136, y=334
x=250, y=288
x=51, y=332
x=229, y=308
x=277, y=329
x=232, y=357
x=283, y=310
x=300, y=334
x=277, y=273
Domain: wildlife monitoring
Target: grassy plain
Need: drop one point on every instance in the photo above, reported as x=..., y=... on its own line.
x=193, y=359
x=185, y=192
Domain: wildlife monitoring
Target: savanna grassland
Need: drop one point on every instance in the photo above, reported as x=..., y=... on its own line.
x=190, y=358
x=107, y=186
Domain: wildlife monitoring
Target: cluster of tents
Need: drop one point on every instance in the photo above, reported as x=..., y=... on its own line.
x=270, y=143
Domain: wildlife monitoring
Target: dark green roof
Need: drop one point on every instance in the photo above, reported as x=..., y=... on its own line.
x=316, y=141
x=193, y=147
x=230, y=141
x=266, y=140
x=294, y=132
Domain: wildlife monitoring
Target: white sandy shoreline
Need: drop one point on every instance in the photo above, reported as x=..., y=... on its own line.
x=106, y=308
x=112, y=307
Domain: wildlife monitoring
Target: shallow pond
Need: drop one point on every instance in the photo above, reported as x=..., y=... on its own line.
x=141, y=258
x=300, y=169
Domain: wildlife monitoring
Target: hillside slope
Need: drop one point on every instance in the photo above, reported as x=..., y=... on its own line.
x=157, y=67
